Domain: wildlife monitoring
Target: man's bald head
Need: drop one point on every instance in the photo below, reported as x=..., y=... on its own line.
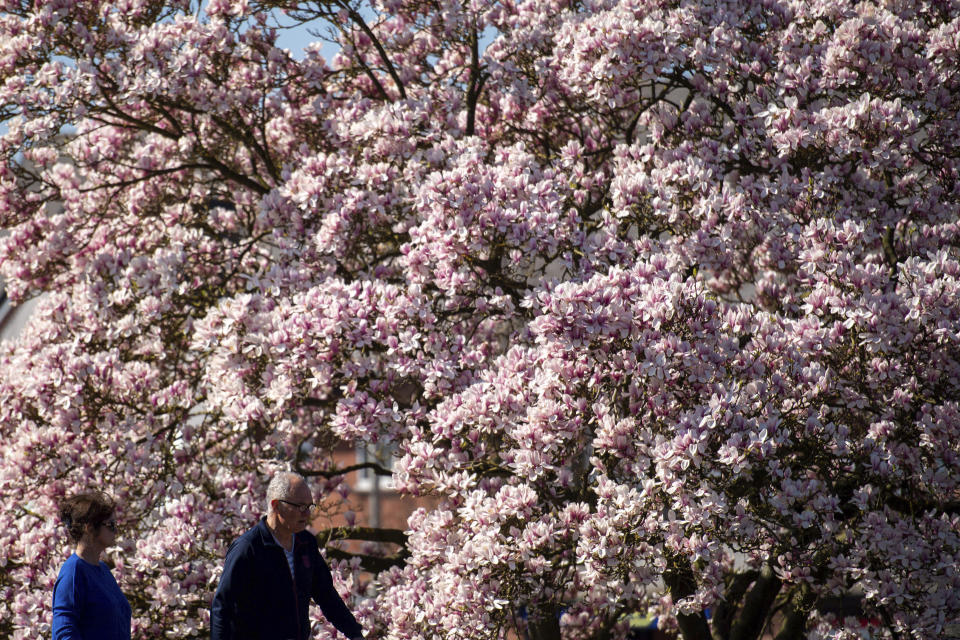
x=284, y=485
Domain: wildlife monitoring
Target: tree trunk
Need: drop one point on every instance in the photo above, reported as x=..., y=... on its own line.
x=798, y=612
x=679, y=579
x=544, y=624
x=756, y=606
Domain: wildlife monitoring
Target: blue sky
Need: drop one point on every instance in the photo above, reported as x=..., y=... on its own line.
x=295, y=39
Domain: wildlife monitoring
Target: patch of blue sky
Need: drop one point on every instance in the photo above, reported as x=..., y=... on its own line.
x=293, y=36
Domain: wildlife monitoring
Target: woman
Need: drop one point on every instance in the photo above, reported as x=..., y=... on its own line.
x=87, y=603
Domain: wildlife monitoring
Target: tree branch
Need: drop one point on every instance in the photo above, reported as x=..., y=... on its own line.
x=371, y=564
x=476, y=83
x=654, y=99
x=332, y=473
x=369, y=534
x=151, y=173
x=680, y=581
x=544, y=623
x=890, y=251
x=725, y=610
x=757, y=606
x=798, y=612
x=360, y=22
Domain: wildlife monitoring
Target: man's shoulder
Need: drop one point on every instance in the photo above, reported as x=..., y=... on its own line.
x=250, y=540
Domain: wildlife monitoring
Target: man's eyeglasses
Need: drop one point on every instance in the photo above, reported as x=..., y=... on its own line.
x=302, y=508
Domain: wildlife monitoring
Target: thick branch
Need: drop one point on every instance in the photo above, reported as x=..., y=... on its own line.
x=888, y=622
x=360, y=22
x=251, y=143
x=476, y=83
x=136, y=123
x=681, y=583
x=235, y=176
x=756, y=607
x=889, y=251
x=797, y=613
x=654, y=99
x=369, y=534
x=330, y=473
x=907, y=507
x=544, y=624
x=151, y=173
x=723, y=615
x=372, y=564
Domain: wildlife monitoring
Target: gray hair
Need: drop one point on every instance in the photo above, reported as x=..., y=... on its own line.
x=280, y=487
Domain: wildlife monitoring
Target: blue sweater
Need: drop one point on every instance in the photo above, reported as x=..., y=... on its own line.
x=258, y=599
x=88, y=604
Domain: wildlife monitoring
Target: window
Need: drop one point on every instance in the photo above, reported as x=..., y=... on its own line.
x=381, y=454
x=4, y=305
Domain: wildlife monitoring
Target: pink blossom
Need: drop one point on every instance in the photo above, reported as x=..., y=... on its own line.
x=651, y=298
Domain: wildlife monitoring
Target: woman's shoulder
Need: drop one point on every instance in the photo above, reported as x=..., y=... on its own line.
x=77, y=566
x=70, y=565
x=71, y=575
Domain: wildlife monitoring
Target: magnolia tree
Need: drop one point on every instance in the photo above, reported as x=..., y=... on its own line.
x=659, y=300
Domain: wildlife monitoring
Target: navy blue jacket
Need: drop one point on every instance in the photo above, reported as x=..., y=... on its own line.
x=258, y=600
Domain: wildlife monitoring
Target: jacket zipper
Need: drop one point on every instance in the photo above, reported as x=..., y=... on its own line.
x=293, y=584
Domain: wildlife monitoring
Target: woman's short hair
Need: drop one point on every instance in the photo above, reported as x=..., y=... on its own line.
x=92, y=507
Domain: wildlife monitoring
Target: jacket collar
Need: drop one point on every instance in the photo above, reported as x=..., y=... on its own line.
x=266, y=536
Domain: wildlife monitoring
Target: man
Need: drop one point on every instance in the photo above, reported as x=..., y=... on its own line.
x=273, y=570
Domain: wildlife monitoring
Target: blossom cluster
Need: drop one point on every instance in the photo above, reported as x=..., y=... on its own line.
x=659, y=301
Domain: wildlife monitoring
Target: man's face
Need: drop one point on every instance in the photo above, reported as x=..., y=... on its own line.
x=291, y=516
